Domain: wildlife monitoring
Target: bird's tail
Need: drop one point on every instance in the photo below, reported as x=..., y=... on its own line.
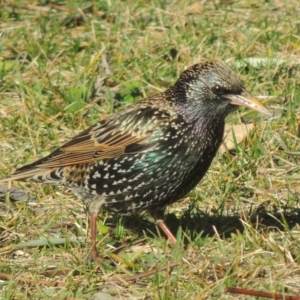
x=50, y=176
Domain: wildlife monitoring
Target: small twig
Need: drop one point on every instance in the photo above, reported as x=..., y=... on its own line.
x=260, y=294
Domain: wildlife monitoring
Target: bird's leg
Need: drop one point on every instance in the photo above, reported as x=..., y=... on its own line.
x=93, y=252
x=162, y=225
x=94, y=209
x=158, y=217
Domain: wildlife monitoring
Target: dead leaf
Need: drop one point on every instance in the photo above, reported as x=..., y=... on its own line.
x=234, y=134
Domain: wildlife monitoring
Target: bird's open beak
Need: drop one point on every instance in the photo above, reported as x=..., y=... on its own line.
x=247, y=100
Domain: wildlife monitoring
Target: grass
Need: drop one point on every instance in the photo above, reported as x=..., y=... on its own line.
x=239, y=227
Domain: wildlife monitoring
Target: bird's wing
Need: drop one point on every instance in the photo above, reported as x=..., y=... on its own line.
x=127, y=132
x=99, y=142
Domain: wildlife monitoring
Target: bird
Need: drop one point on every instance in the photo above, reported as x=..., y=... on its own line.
x=151, y=153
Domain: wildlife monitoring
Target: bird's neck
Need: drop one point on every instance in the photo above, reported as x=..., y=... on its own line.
x=205, y=125
x=192, y=114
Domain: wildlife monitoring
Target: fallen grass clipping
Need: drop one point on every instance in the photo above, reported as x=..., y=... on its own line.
x=66, y=64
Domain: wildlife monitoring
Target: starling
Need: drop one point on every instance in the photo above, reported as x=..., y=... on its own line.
x=151, y=153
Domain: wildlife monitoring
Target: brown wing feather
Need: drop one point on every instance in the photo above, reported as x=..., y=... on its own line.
x=87, y=149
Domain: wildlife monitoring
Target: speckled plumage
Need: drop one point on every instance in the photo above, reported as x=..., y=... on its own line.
x=151, y=153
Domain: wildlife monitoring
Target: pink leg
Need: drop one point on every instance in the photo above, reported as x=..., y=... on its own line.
x=162, y=225
x=158, y=216
x=94, y=253
x=94, y=209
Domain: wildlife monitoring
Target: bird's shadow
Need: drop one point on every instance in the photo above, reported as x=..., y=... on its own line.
x=208, y=224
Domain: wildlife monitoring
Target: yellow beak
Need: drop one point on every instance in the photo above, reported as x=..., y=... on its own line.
x=247, y=100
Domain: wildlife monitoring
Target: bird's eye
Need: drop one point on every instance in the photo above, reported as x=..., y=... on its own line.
x=218, y=90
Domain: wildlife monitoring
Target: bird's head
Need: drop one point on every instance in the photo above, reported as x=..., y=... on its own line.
x=212, y=90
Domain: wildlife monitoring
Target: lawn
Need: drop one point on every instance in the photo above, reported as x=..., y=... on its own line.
x=64, y=65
